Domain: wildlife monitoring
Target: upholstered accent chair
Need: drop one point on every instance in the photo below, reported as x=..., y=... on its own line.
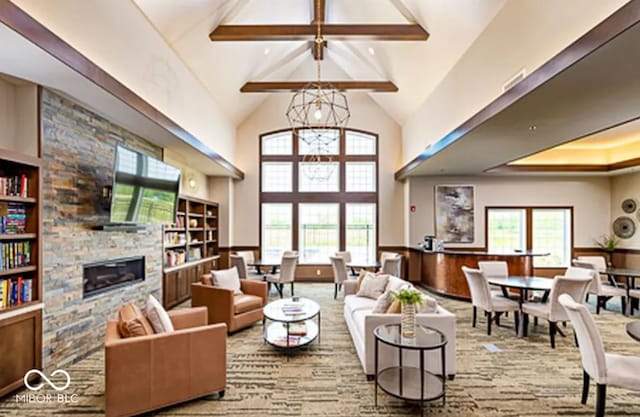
x=606, y=369
x=551, y=310
x=339, y=267
x=287, y=274
x=141, y=373
x=236, y=310
x=601, y=289
x=493, y=305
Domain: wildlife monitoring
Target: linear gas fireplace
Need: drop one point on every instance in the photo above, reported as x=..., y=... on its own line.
x=103, y=276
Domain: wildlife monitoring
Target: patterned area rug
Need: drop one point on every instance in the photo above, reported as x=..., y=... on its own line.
x=525, y=378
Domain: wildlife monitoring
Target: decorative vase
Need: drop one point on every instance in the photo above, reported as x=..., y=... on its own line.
x=408, y=323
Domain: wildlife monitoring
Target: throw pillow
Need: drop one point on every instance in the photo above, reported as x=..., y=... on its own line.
x=395, y=307
x=158, y=316
x=363, y=273
x=132, y=323
x=395, y=284
x=429, y=305
x=383, y=303
x=227, y=278
x=373, y=286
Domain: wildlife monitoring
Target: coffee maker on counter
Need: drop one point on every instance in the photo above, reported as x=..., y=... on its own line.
x=430, y=243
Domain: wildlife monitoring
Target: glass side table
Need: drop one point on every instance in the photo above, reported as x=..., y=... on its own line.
x=408, y=382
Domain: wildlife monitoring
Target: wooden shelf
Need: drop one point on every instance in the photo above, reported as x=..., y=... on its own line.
x=196, y=215
x=175, y=229
x=18, y=307
x=196, y=229
x=191, y=263
x=175, y=245
x=15, y=271
x=180, y=213
x=212, y=241
x=24, y=200
x=196, y=243
x=21, y=236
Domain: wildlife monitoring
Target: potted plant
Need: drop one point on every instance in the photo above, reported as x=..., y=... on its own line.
x=608, y=243
x=409, y=299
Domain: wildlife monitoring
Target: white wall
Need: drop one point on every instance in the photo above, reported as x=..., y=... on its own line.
x=118, y=38
x=365, y=115
x=201, y=189
x=18, y=117
x=221, y=191
x=524, y=34
x=623, y=187
x=589, y=197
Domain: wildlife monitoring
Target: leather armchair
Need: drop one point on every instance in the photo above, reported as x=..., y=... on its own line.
x=141, y=373
x=237, y=311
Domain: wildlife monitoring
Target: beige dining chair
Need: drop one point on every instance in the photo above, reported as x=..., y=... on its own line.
x=346, y=255
x=481, y=297
x=606, y=369
x=551, y=310
x=339, y=267
x=391, y=265
x=602, y=289
x=286, y=276
x=495, y=269
x=241, y=265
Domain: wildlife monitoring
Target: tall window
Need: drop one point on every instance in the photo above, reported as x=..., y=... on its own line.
x=318, y=207
x=540, y=229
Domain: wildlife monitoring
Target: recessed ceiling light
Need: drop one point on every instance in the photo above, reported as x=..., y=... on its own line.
x=533, y=127
x=266, y=51
x=372, y=51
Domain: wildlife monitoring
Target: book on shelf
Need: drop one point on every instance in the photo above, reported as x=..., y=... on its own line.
x=282, y=341
x=13, y=218
x=297, y=329
x=195, y=254
x=15, y=186
x=293, y=309
x=175, y=257
x=15, y=254
x=15, y=291
x=174, y=238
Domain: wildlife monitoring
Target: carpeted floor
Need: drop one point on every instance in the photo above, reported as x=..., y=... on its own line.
x=526, y=378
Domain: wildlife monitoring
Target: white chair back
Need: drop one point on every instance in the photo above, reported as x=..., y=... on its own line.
x=339, y=267
x=391, y=265
x=346, y=255
x=288, y=268
x=589, y=339
x=241, y=265
x=478, y=287
x=494, y=269
x=385, y=255
x=290, y=253
x=247, y=255
x=598, y=262
x=596, y=282
x=575, y=287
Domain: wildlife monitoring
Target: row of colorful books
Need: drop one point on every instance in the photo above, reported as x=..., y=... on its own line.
x=283, y=342
x=15, y=186
x=13, y=218
x=15, y=291
x=15, y=254
x=175, y=257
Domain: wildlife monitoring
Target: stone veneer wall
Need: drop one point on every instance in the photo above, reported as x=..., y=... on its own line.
x=78, y=150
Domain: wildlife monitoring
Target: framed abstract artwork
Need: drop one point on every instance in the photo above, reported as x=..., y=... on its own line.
x=454, y=213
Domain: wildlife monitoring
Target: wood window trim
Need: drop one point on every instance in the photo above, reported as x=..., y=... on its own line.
x=529, y=225
x=341, y=197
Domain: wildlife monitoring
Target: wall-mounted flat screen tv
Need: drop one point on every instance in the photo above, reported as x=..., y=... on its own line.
x=145, y=190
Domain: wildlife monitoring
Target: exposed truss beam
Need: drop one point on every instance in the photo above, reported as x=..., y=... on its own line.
x=319, y=11
x=404, y=10
x=410, y=32
x=289, y=86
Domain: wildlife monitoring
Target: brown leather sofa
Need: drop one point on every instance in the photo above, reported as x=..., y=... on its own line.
x=145, y=373
x=237, y=311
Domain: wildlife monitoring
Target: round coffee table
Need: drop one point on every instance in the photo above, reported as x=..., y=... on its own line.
x=405, y=382
x=633, y=330
x=292, y=324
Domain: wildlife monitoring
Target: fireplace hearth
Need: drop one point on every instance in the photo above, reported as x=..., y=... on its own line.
x=100, y=277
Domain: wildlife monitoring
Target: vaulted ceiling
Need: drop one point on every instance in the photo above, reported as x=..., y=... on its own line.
x=415, y=67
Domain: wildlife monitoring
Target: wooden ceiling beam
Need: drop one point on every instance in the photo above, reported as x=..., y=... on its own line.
x=290, y=86
x=318, y=52
x=410, y=32
x=319, y=11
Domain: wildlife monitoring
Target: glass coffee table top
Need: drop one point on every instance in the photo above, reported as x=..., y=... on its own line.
x=288, y=310
x=426, y=337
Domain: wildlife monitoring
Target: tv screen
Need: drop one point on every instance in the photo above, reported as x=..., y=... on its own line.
x=145, y=190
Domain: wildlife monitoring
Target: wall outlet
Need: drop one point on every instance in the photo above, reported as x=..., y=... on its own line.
x=317, y=272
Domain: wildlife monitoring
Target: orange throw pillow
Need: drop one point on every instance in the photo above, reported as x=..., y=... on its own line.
x=132, y=323
x=395, y=307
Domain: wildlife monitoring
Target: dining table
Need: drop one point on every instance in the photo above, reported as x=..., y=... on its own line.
x=362, y=265
x=633, y=330
x=258, y=264
x=630, y=275
x=524, y=284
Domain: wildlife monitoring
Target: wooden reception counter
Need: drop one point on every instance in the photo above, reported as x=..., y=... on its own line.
x=441, y=271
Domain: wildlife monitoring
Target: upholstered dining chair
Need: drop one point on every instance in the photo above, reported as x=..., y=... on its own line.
x=634, y=293
x=606, y=369
x=385, y=255
x=481, y=297
x=494, y=269
x=551, y=310
x=599, y=263
x=346, y=255
x=391, y=265
x=286, y=276
x=339, y=267
x=247, y=255
x=241, y=265
x=601, y=289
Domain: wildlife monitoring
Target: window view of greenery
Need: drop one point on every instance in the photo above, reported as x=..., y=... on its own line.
x=276, y=230
x=140, y=205
x=361, y=232
x=319, y=237
x=551, y=233
x=506, y=230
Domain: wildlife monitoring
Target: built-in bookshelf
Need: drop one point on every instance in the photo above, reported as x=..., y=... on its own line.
x=190, y=247
x=20, y=268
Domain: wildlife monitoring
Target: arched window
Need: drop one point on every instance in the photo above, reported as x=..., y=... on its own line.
x=318, y=207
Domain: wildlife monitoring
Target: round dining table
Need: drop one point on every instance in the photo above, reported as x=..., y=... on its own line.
x=259, y=264
x=362, y=265
x=524, y=284
x=633, y=330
